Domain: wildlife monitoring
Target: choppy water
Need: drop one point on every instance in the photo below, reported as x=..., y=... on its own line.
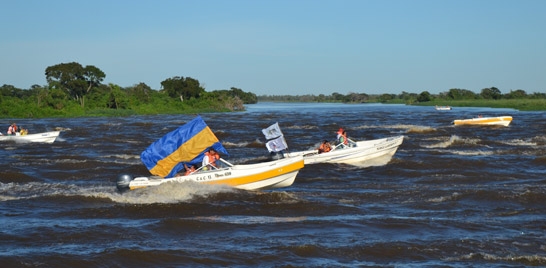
x=453, y=196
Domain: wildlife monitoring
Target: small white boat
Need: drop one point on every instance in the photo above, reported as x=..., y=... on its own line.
x=259, y=176
x=443, y=108
x=360, y=153
x=490, y=121
x=45, y=137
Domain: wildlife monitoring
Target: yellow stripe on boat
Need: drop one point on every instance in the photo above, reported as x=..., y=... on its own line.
x=260, y=176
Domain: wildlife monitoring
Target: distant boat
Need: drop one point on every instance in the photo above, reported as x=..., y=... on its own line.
x=442, y=108
x=491, y=121
x=45, y=137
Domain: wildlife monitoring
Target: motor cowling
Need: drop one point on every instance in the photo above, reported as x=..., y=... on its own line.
x=122, y=183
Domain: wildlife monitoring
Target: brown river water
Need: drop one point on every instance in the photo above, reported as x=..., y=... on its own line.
x=451, y=196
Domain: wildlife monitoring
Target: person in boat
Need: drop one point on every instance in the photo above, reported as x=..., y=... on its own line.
x=23, y=131
x=12, y=129
x=342, y=137
x=324, y=147
x=189, y=170
x=209, y=161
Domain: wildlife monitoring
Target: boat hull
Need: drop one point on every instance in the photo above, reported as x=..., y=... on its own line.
x=45, y=137
x=363, y=152
x=490, y=121
x=260, y=176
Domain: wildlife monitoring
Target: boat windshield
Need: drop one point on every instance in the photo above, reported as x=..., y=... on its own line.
x=221, y=163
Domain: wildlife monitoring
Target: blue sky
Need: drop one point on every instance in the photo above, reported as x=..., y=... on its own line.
x=279, y=47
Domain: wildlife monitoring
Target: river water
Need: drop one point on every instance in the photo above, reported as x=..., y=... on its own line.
x=453, y=196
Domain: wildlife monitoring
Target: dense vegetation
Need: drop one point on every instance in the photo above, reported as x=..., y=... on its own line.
x=76, y=90
x=488, y=97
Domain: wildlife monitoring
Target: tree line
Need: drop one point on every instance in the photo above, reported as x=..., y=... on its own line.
x=454, y=94
x=76, y=90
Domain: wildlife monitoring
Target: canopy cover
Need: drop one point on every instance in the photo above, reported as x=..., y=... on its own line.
x=185, y=145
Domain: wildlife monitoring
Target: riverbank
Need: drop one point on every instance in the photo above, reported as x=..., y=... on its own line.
x=518, y=104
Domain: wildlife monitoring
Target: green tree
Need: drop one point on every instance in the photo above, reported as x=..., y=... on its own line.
x=11, y=91
x=516, y=94
x=56, y=98
x=74, y=79
x=183, y=88
x=491, y=93
x=338, y=96
x=424, y=97
x=245, y=97
x=461, y=94
x=117, y=98
x=386, y=97
x=141, y=92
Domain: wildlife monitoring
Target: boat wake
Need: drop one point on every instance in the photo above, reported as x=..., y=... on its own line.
x=164, y=193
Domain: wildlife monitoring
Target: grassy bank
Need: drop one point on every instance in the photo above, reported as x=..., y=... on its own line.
x=518, y=104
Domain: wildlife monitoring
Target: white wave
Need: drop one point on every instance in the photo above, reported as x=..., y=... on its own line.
x=508, y=258
x=301, y=127
x=173, y=192
x=404, y=127
x=60, y=139
x=123, y=156
x=250, y=219
x=441, y=199
x=396, y=126
x=444, y=143
x=131, y=141
x=472, y=152
x=62, y=129
x=519, y=142
x=539, y=139
x=238, y=144
x=17, y=191
x=454, y=139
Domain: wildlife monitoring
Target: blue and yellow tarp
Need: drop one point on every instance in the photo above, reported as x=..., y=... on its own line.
x=187, y=144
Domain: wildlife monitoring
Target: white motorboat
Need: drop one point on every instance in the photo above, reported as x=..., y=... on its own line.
x=442, y=108
x=188, y=146
x=360, y=153
x=259, y=176
x=490, y=121
x=45, y=137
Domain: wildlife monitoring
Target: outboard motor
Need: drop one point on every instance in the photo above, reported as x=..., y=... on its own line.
x=123, y=181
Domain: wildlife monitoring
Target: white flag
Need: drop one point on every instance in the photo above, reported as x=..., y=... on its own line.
x=272, y=131
x=276, y=145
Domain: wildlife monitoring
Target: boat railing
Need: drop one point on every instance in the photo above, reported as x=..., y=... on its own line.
x=352, y=143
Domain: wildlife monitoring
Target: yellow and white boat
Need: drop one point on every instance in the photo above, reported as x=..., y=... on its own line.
x=168, y=157
x=259, y=176
x=490, y=121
